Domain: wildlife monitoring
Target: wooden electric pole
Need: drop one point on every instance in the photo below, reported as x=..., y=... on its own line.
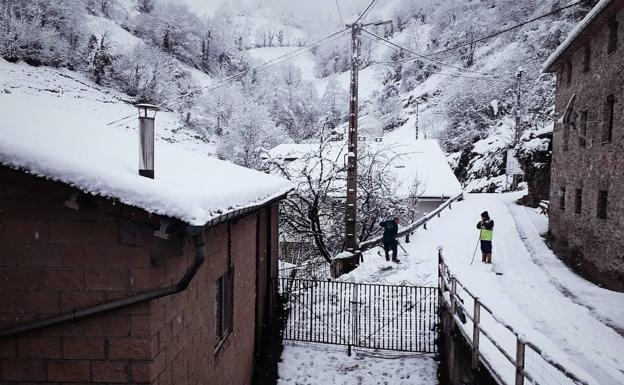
x=351, y=241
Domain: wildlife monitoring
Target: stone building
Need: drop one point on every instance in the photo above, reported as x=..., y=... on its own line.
x=587, y=181
x=110, y=277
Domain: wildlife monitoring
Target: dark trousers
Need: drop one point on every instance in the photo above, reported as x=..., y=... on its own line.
x=390, y=244
x=486, y=251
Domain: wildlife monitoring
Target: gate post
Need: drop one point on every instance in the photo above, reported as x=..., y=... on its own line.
x=354, y=317
x=520, y=345
x=475, y=334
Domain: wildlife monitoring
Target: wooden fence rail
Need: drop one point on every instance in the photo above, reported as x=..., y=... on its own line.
x=544, y=369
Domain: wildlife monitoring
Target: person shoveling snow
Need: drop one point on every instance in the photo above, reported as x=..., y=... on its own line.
x=486, y=227
x=391, y=228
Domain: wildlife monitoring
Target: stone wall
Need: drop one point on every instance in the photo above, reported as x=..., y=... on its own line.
x=581, y=236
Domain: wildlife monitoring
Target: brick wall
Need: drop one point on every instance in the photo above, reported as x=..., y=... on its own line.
x=597, y=166
x=54, y=259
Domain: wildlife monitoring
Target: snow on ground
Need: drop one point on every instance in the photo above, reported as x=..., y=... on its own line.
x=122, y=40
x=369, y=78
x=574, y=321
x=74, y=96
x=305, y=62
x=312, y=364
x=54, y=124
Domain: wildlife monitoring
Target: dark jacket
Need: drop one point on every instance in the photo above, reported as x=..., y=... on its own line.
x=487, y=225
x=390, y=229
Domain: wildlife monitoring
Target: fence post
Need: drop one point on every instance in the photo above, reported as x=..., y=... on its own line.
x=520, y=361
x=475, y=334
x=453, y=297
x=354, y=317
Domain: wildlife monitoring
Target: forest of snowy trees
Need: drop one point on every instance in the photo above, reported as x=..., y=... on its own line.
x=464, y=104
x=246, y=116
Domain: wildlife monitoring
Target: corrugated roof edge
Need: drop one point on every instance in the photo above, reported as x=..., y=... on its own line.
x=574, y=34
x=227, y=215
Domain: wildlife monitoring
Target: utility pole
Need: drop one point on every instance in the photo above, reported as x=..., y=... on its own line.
x=516, y=178
x=417, y=129
x=518, y=106
x=351, y=241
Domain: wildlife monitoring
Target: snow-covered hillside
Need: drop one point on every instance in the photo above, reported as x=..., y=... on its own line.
x=465, y=97
x=47, y=95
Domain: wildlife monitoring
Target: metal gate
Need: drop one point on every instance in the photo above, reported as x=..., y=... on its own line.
x=392, y=317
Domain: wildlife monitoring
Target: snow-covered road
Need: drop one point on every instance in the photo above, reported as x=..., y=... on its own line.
x=574, y=321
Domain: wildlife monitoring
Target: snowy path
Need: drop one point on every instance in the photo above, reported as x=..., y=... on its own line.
x=572, y=320
x=321, y=364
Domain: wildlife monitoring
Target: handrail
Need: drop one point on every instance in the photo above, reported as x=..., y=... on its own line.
x=444, y=277
x=369, y=244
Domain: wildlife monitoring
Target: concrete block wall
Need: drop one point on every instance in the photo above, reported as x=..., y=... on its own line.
x=54, y=259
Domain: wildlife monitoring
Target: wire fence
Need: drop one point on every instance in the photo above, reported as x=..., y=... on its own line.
x=508, y=356
x=390, y=317
x=317, y=270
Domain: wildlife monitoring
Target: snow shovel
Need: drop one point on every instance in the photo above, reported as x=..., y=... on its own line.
x=475, y=250
x=405, y=251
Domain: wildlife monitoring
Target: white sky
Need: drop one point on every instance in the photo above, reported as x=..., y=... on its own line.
x=312, y=8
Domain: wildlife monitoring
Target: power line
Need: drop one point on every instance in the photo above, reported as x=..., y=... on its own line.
x=259, y=67
x=366, y=11
x=489, y=77
x=461, y=45
x=340, y=13
x=422, y=56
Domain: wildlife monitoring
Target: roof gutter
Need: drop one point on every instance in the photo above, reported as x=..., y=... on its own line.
x=199, y=239
x=197, y=233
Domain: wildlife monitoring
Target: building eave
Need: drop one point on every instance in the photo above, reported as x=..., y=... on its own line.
x=553, y=60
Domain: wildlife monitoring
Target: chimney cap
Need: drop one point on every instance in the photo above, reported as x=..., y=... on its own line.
x=147, y=106
x=147, y=110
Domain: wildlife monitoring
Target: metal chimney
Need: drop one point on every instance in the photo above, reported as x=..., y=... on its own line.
x=147, y=117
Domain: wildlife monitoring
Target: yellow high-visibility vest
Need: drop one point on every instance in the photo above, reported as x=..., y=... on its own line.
x=486, y=235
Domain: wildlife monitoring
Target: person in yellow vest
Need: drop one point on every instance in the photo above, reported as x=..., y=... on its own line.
x=486, y=227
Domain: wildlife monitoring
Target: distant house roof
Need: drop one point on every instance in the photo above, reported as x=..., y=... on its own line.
x=422, y=159
x=575, y=33
x=65, y=138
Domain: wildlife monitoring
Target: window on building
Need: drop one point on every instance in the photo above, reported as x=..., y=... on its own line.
x=587, y=58
x=224, y=305
x=566, y=136
x=562, y=199
x=582, y=137
x=578, y=200
x=569, y=72
x=613, y=36
x=603, y=197
x=607, y=134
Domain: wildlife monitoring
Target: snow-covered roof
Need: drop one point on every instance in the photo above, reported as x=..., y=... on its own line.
x=422, y=159
x=369, y=126
x=62, y=135
x=575, y=33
